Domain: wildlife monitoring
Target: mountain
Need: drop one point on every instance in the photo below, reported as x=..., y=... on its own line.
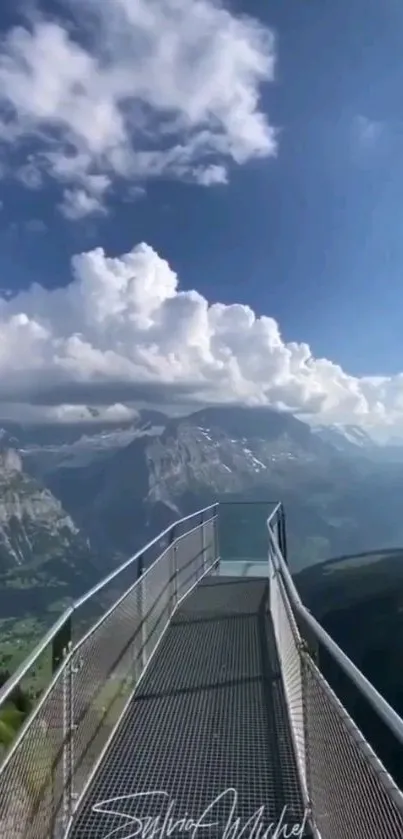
x=121, y=484
x=122, y=498
x=366, y=592
x=42, y=552
x=78, y=500
x=353, y=441
x=65, y=453
x=32, y=521
x=346, y=438
x=64, y=433
x=227, y=450
x=128, y=494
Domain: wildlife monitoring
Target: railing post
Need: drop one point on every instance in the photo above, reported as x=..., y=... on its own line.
x=279, y=532
x=203, y=544
x=283, y=536
x=216, y=537
x=142, y=611
x=71, y=670
x=173, y=568
x=68, y=738
x=61, y=646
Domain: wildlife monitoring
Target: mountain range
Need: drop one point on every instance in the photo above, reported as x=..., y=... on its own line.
x=120, y=485
x=85, y=497
x=76, y=500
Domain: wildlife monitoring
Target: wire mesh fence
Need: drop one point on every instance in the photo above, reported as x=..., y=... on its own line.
x=351, y=793
x=107, y=646
x=32, y=781
x=189, y=563
x=57, y=750
x=289, y=651
x=348, y=790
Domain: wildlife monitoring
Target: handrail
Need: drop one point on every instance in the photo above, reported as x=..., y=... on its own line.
x=26, y=665
x=375, y=699
x=277, y=509
x=139, y=553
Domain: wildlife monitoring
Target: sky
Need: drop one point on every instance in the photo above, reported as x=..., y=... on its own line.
x=202, y=203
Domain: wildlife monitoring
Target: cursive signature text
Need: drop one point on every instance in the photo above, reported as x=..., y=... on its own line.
x=162, y=822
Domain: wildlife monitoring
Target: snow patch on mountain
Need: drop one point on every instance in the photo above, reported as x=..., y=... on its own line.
x=344, y=437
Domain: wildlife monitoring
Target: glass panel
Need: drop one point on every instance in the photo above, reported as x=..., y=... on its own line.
x=242, y=531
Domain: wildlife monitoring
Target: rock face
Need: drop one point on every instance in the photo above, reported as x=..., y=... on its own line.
x=10, y=461
x=227, y=451
x=122, y=500
x=33, y=523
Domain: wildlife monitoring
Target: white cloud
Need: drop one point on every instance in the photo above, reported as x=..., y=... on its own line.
x=69, y=414
x=82, y=413
x=124, y=330
x=77, y=203
x=164, y=88
x=211, y=175
x=134, y=193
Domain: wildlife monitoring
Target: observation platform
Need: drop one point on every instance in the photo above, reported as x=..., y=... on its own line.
x=187, y=696
x=206, y=737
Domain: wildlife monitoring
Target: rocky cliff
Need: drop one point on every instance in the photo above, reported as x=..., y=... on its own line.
x=33, y=524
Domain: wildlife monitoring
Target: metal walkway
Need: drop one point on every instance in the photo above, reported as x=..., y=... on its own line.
x=183, y=700
x=208, y=717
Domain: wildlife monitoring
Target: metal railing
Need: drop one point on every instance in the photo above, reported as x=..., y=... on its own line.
x=98, y=650
x=346, y=788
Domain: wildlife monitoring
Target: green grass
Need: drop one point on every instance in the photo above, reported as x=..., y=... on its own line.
x=10, y=722
x=18, y=638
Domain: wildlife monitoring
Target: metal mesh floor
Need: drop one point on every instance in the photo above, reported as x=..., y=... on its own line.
x=207, y=728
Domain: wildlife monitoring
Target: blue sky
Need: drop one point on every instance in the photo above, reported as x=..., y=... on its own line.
x=308, y=234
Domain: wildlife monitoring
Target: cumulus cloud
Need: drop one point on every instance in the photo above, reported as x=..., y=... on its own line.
x=123, y=330
x=135, y=91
